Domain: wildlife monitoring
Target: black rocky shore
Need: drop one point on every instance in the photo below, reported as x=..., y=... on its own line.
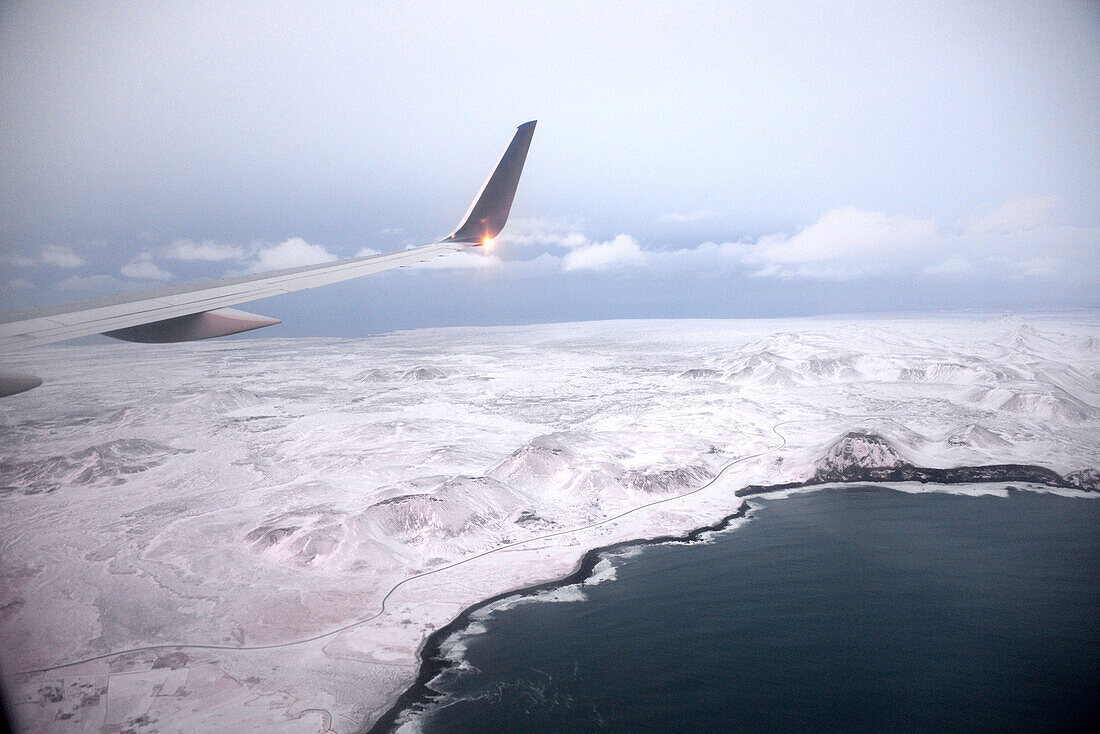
x=847, y=462
x=432, y=661
x=858, y=457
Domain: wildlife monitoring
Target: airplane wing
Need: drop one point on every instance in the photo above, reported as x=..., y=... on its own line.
x=201, y=310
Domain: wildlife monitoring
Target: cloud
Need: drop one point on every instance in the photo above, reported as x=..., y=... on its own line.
x=205, y=251
x=1040, y=267
x=623, y=251
x=19, y=284
x=1014, y=242
x=143, y=268
x=62, y=257
x=463, y=260
x=850, y=243
x=1021, y=215
x=20, y=261
x=53, y=255
x=689, y=217
x=542, y=231
x=291, y=253
x=844, y=243
x=950, y=266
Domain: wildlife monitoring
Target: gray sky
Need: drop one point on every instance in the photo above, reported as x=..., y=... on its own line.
x=691, y=159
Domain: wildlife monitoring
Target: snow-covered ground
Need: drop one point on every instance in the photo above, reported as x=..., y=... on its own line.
x=261, y=533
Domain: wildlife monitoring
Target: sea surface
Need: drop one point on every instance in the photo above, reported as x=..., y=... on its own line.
x=857, y=609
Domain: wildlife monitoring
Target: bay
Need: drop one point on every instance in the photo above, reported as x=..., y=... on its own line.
x=853, y=609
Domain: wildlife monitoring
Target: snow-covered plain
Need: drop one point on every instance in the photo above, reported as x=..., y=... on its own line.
x=259, y=534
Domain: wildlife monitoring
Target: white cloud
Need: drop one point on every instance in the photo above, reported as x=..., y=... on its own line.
x=689, y=217
x=1040, y=267
x=367, y=251
x=541, y=231
x=851, y=243
x=950, y=266
x=20, y=261
x=390, y=230
x=1021, y=215
x=19, y=284
x=844, y=243
x=143, y=268
x=573, y=240
x=463, y=260
x=291, y=253
x=205, y=251
x=623, y=251
x=62, y=257
x=544, y=263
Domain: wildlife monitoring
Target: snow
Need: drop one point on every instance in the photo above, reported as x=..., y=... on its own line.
x=297, y=516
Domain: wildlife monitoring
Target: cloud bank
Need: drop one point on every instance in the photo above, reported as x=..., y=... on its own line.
x=1020, y=240
x=291, y=253
x=62, y=257
x=143, y=268
x=623, y=251
x=1015, y=240
x=206, y=251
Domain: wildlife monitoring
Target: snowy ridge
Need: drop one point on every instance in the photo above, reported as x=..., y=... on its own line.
x=977, y=437
x=104, y=464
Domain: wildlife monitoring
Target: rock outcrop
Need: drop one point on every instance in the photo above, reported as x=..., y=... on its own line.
x=1086, y=479
x=860, y=456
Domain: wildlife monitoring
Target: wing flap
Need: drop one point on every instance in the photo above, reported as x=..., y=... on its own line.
x=13, y=384
x=203, y=325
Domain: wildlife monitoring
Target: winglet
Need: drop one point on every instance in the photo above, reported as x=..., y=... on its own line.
x=487, y=215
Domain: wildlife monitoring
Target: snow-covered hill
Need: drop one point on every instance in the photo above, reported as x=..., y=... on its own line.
x=293, y=517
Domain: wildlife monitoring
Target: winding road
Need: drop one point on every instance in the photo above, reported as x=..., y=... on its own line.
x=409, y=579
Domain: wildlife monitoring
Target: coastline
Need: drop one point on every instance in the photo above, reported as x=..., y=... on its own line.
x=433, y=663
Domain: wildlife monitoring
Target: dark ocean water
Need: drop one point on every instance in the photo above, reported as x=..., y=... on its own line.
x=852, y=610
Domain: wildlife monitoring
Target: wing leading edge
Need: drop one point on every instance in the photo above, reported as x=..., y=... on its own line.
x=201, y=311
